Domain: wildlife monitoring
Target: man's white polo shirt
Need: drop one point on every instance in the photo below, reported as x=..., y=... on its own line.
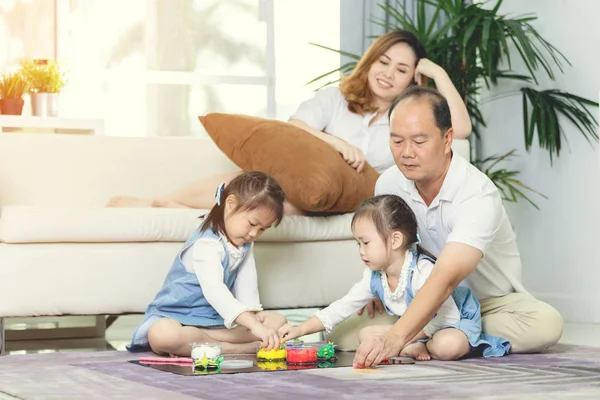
x=467, y=210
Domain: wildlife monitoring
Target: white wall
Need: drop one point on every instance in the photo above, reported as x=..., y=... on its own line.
x=560, y=243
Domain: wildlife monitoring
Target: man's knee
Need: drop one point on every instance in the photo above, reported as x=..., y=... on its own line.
x=372, y=330
x=551, y=325
x=545, y=332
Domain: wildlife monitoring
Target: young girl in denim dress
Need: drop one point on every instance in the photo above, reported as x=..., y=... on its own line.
x=196, y=302
x=385, y=229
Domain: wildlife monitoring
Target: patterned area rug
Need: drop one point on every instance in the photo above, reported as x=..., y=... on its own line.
x=561, y=372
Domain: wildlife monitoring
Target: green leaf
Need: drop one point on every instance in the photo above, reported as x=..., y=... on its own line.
x=344, y=53
x=496, y=7
x=510, y=188
x=546, y=106
x=340, y=69
x=486, y=33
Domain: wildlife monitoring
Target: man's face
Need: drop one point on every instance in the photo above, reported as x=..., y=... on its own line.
x=418, y=146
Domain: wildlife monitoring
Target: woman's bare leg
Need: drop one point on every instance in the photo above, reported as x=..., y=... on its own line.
x=199, y=194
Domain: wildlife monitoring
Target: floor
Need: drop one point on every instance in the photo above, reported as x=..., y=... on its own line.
x=119, y=334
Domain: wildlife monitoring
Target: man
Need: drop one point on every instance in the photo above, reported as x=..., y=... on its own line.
x=461, y=221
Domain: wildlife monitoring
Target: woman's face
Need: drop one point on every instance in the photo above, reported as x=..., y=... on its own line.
x=393, y=72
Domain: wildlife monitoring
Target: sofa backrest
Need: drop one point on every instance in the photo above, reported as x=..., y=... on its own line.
x=81, y=170
x=85, y=170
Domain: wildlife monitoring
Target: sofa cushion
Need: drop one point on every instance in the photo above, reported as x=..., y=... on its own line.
x=311, y=173
x=113, y=278
x=38, y=224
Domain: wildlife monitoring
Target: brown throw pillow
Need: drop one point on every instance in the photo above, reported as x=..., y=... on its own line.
x=313, y=176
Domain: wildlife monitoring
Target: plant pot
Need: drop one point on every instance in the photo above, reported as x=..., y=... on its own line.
x=11, y=106
x=44, y=104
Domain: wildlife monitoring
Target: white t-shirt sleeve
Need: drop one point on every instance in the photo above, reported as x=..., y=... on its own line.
x=337, y=312
x=207, y=256
x=448, y=314
x=317, y=112
x=477, y=221
x=246, y=283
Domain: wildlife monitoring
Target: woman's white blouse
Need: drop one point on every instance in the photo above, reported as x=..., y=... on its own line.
x=327, y=111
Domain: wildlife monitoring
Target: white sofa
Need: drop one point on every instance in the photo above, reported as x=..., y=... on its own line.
x=63, y=253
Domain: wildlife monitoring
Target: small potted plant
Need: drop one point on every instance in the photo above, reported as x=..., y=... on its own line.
x=45, y=80
x=12, y=89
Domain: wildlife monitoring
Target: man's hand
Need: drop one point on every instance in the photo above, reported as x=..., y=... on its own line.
x=376, y=349
x=373, y=305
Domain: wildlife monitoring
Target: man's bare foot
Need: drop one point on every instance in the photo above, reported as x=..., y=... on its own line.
x=131, y=202
x=417, y=350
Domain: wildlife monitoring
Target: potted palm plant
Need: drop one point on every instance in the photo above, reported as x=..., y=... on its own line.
x=12, y=89
x=45, y=80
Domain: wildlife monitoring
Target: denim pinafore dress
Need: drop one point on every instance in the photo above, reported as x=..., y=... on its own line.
x=470, y=314
x=181, y=297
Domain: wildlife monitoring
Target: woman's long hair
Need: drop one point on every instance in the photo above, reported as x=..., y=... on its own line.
x=355, y=86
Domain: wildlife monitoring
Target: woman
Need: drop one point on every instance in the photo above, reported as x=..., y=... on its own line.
x=351, y=118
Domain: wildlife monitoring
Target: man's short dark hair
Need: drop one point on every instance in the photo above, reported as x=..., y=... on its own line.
x=439, y=105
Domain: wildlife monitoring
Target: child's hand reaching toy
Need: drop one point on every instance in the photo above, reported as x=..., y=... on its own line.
x=288, y=332
x=268, y=336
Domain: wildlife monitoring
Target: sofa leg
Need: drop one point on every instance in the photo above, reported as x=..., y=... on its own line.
x=2, y=338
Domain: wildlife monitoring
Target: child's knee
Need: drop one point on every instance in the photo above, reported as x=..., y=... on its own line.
x=164, y=338
x=372, y=330
x=365, y=333
x=274, y=320
x=448, y=345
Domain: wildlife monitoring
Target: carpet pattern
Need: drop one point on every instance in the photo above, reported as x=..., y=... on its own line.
x=561, y=372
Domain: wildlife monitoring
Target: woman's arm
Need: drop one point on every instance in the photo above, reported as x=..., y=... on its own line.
x=316, y=113
x=352, y=155
x=331, y=140
x=461, y=122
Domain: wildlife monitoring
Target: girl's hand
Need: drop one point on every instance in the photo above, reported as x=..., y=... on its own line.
x=288, y=332
x=268, y=336
x=428, y=68
x=352, y=155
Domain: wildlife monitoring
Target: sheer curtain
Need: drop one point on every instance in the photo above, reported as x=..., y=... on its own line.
x=164, y=62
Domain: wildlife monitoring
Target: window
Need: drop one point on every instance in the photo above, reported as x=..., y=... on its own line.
x=26, y=29
x=150, y=67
